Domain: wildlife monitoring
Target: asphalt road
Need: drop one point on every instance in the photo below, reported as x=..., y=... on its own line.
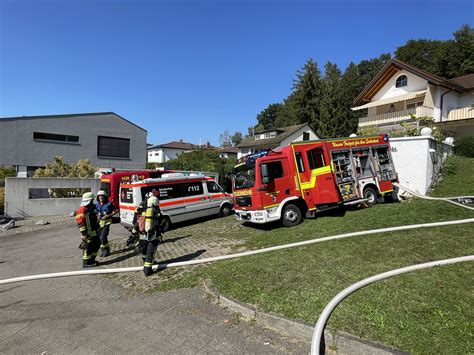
x=91, y=314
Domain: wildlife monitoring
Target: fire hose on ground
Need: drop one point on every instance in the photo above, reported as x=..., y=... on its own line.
x=329, y=308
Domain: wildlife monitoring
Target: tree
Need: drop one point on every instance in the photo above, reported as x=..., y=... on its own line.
x=59, y=168
x=236, y=138
x=306, y=94
x=451, y=58
x=205, y=160
x=348, y=91
x=268, y=117
x=331, y=112
x=225, y=140
x=462, y=58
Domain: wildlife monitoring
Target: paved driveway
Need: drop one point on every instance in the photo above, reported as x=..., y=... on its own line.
x=93, y=314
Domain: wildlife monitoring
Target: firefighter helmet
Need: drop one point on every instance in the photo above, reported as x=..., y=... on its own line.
x=87, y=198
x=101, y=193
x=152, y=201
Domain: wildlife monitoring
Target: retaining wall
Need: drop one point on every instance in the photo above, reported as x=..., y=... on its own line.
x=418, y=161
x=19, y=201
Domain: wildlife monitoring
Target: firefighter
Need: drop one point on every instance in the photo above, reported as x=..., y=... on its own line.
x=152, y=234
x=105, y=211
x=139, y=211
x=86, y=217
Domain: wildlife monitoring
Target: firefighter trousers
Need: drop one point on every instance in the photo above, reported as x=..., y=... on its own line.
x=104, y=240
x=148, y=253
x=90, y=253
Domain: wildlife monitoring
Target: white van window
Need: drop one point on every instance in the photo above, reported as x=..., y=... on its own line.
x=193, y=188
x=213, y=187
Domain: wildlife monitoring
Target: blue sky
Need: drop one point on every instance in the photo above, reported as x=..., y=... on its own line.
x=192, y=69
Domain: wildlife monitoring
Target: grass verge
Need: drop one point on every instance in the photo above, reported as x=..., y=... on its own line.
x=428, y=311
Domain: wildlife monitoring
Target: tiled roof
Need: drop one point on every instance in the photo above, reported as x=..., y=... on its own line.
x=174, y=145
x=466, y=81
x=271, y=143
x=231, y=150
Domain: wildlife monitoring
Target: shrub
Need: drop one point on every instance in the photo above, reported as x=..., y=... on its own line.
x=464, y=146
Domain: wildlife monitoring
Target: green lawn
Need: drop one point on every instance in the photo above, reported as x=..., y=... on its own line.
x=429, y=311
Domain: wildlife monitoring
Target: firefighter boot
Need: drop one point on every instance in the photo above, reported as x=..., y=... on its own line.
x=105, y=251
x=147, y=269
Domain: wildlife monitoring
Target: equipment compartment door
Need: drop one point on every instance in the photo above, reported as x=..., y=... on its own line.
x=315, y=174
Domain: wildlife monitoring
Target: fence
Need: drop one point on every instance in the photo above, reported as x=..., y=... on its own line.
x=26, y=197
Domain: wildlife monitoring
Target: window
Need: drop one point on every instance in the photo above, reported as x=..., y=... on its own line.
x=157, y=153
x=299, y=162
x=316, y=158
x=113, y=147
x=401, y=81
x=163, y=192
x=275, y=170
x=306, y=136
x=55, y=137
x=212, y=187
x=413, y=105
x=193, y=188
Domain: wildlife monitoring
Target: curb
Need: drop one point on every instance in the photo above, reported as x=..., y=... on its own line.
x=338, y=342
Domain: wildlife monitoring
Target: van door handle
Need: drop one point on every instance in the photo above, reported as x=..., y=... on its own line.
x=203, y=198
x=329, y=178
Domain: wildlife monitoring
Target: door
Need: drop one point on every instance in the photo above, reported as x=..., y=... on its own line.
x=215, y=195
x=315, y=174
x=195, y=199
x=278, y=186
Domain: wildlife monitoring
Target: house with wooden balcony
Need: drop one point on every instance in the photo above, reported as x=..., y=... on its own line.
x=400, y=90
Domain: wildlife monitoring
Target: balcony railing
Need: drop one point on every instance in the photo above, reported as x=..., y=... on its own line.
x=461, y=114
x=395, y=117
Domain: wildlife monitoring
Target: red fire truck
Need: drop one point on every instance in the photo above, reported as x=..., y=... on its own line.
x=307, y=177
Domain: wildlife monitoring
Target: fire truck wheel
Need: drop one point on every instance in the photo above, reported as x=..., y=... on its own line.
x=291, y=215
x=225, y=210
x=371, y=195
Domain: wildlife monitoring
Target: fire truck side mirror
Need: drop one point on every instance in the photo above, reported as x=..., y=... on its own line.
x=266, y=178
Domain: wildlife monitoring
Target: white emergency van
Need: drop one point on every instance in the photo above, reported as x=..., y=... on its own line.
x=182, y=198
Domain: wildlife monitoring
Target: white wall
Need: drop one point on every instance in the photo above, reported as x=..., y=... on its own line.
x=164, y=154
x=416, y=166
x=153, y=158
x=298, y=136
x=466, y=100
x=415, y=83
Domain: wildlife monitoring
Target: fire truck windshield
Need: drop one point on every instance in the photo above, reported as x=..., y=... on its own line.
x=244, y=176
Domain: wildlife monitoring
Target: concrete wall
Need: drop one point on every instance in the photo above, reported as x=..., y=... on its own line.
x=20, y=149
x=418, y=161
x=18, y=203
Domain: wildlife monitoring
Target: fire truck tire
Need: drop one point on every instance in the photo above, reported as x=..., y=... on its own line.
x=225, y=211
x=371, y=195
x=291, y=215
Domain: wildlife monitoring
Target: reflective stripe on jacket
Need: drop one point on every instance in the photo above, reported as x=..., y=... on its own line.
x=105, y=209
x=86, y=217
